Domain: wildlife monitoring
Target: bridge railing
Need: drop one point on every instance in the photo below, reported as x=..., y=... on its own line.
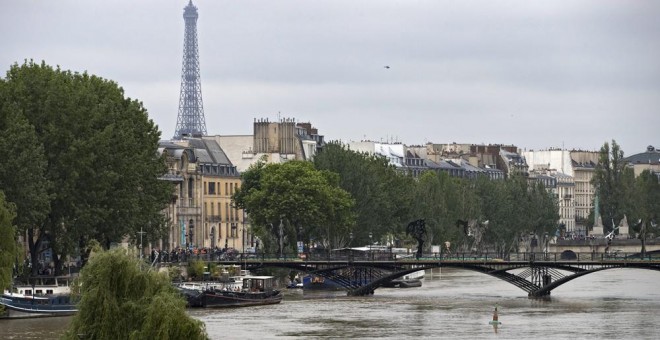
x=384, y=256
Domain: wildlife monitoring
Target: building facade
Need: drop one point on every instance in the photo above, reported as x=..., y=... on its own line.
x=649, y=160
x=275, y=142
x=578, y=164
x=201, y=213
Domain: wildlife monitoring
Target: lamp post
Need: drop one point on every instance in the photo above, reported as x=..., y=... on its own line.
x=191, y=227
x=370, y=237
x=141, y=233
x=233, y=235
x=533, y=242
x=350, y=236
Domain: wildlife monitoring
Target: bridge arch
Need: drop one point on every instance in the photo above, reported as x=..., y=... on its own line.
x=537, y=279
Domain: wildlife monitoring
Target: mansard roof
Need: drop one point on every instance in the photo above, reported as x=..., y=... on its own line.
x=651, y=156
x=209, y=152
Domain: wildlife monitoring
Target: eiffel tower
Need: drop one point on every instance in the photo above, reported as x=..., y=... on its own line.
x=190, y=121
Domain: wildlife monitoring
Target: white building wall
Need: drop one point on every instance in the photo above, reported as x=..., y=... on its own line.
x=395, y=153
x=559, y=160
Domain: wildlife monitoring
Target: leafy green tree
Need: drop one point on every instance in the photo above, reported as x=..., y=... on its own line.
x=120, y=299
x=23, y=171
x=647, y=206
x=95, y=155
x=8, y=247
x=383, y=196
x=305, y=201
x=613, y=183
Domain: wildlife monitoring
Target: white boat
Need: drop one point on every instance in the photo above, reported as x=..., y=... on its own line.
x=44, y=296
x=411, y=280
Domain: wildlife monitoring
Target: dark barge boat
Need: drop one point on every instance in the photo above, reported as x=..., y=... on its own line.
x=256, y=290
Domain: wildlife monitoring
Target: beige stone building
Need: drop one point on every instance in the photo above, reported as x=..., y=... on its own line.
x=276, y=142
x=200, y=212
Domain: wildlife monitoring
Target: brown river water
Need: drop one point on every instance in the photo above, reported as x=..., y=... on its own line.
x=451, y=304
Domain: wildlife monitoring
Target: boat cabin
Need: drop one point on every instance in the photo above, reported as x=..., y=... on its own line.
x=258, y=283
x=44, y=285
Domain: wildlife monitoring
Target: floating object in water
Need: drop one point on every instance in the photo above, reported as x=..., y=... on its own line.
x=495, y=320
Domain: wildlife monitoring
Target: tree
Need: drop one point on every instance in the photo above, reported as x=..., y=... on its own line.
x=307, y=203
x=119, y=299
x=95, y=156
x=23, y=170
x=613, y=183
x=383, y=196
x=8, y=247
x=647, y=206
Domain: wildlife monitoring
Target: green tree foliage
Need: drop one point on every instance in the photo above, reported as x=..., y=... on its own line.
x=93, y=164
x=8, y=247
x=646, y=206
x=614, y=185
x=196, y=269
x=121, y=300
x=308, y=202
x=383, y=196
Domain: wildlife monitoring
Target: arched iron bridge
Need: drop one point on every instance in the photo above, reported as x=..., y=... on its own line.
x=537, y=274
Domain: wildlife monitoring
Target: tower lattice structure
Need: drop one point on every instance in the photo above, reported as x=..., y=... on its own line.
x=190, y=120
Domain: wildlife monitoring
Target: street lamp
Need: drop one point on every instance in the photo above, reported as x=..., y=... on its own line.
x=233, y=235
x=370, y=237
x=141, y=251
x=191, y=227
x=350, y=236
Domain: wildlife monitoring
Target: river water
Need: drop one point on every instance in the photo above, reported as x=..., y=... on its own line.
x=452, y=304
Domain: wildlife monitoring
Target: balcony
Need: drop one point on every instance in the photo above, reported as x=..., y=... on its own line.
x=187, y=207
x=213, y=218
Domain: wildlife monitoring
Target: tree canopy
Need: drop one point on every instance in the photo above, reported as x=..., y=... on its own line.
x=383, y=196
x=387, y=199
x=84, y=162
x=120, y=299
x=621, y=194
x=8, y=247
x=307, y=203
x=613, y=182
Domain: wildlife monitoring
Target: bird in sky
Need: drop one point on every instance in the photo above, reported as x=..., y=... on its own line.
x=386, y=66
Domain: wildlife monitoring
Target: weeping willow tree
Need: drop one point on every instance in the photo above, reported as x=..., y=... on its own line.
x=121, y=300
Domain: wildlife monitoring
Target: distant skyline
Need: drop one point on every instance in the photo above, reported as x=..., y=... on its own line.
x=536, y=74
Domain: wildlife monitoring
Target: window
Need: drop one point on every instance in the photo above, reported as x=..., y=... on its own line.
x=211, y=188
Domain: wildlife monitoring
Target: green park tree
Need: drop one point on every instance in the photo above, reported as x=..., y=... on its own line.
x=86, y=167
x=647, y=206
x=8, y=247
x=383, y=196
x=614, y=184
x=120, y=299
x=307, y=203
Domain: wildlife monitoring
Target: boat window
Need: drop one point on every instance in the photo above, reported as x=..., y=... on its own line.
x=49, y=291
x=38, y=292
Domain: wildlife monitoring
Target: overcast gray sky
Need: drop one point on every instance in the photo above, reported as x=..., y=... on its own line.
x=536, y=74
